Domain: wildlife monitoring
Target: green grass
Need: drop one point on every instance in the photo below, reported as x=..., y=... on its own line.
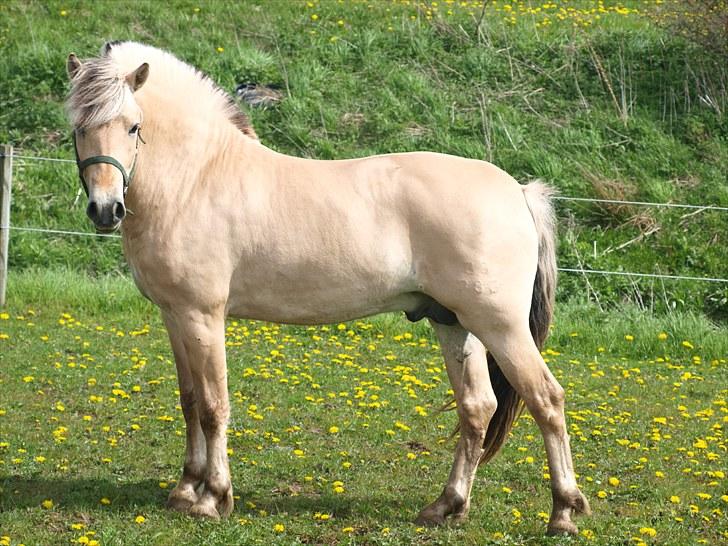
x=88, y=407
x=607, y=107
x=90, y=412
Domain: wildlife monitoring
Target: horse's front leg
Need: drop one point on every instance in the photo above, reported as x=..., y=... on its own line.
x=203, y=339
x=184, y=495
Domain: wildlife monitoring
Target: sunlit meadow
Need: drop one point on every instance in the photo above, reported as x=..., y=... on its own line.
x=336, y=435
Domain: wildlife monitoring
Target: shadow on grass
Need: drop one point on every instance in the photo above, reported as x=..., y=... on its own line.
x=393, y=508
x=20, y=492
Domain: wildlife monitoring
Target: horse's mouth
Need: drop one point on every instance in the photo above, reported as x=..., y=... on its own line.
x=106, y=230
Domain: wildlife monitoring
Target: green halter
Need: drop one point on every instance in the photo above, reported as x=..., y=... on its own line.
x=106, y=159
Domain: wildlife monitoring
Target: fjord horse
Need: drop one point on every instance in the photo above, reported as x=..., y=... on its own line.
x=224, y=226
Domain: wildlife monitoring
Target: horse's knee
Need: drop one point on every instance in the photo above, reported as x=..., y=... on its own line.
x=475, y=413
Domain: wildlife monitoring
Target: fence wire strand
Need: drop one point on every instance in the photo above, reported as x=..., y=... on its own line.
x=562, y=269
x=644, y=275
x=36, y=158
x=558, y=197
x=61, y=232
x=643, y=203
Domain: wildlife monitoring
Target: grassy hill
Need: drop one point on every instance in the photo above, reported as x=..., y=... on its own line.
x=600, y=99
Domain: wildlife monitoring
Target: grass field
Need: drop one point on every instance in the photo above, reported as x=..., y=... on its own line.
x=335, y=434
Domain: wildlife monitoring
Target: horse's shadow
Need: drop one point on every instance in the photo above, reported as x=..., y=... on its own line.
x=21, y=492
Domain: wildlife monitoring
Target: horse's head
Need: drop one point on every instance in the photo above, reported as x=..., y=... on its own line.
x=107, y=129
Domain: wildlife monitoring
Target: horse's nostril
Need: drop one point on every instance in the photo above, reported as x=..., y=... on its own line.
x=119, y=210
x=92, y=211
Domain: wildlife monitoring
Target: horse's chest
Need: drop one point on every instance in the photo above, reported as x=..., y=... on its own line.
x=154, y=274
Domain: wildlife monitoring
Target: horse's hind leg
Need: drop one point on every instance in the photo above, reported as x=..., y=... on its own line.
x=524, y=368
x=184, y=495
x=467, y=370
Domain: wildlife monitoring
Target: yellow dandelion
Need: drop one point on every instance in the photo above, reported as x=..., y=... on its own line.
x=614, y=482
x=47, y=504
x=648, y=531
x=675, y=499
x=140, y=519
x=279, y=528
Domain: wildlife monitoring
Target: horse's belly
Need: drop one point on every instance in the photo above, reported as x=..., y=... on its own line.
x=302, y=310
x=299, y=303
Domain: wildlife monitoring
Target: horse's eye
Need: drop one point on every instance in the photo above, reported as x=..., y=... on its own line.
x=135, y=129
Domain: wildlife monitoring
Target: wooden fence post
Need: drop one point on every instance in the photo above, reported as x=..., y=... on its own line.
x=6, y=177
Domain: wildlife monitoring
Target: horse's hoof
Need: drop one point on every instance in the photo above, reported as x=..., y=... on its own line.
x=204, y=510
x=561, y=527
x=181, y=501
x=430, y=519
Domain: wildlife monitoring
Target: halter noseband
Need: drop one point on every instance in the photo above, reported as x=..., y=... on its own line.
x=106, y=159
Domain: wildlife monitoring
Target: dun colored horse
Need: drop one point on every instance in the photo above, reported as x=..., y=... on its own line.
x=223, y=226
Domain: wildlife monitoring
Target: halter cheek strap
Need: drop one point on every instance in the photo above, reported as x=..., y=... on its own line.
x=95, y=159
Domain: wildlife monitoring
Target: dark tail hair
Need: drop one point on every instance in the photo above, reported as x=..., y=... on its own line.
x=510, y=405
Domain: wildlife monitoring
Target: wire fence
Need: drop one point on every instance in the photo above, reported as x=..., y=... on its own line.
x=581, y=271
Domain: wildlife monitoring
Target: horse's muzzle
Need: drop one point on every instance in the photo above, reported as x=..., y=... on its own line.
x=106, y=217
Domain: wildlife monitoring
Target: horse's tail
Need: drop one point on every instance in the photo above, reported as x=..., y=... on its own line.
x=510, y=405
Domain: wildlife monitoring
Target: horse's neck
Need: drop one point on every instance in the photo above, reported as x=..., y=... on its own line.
x=176, y=166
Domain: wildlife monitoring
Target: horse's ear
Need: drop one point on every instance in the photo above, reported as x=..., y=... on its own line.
x=137, y=78
x=72, y=65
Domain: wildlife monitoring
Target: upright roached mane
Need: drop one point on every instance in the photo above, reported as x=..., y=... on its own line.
x=100, y=88
x=224, y=226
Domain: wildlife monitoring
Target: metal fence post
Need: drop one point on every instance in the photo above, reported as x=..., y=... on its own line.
x=6, y=177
